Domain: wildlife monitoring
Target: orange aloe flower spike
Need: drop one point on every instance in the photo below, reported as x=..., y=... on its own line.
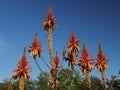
x=50, y=20
x=85, y=61
x=101, y=55
x=49, y=15
x=56, y=59
x=56, y=62
x=23, y=67
x=73, y=44
x=102, y=63
x=35, y=41
x=36, y=47
x=53, y=72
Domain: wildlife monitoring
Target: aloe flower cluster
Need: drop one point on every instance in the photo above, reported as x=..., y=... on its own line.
x=53, y=72
x=22, y=71
x=86, y=61
x=23, y=68
x=73, y=49
x=50, y=20
x=36, y=47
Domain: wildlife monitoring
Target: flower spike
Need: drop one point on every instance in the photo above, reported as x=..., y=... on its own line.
x=86, y=61
x=23, y=67
x=50, y=20
x=36, y=47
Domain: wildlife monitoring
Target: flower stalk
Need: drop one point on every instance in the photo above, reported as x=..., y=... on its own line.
x=53, y=72
x=49, y=25
x=112, y=82
x=22, y=71
x=21, y=83
x=36, y=50
x=102, y=64
x=86, y=65
x=88, y=81
x=73, y=49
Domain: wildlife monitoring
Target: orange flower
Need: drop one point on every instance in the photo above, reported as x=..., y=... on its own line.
x=53, y=72
x=73, y=44
x=50, y=20
x=36, y=47
x=102, y=60
x=23, y=67
x=85, y=61
x=56, y=62
x=73, y=48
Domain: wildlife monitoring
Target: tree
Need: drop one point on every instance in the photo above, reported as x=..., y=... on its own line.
x=42, y=82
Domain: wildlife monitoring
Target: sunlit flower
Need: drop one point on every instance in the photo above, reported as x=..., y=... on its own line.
x=73, y=49
x=53, y=72
x=86, y=61
x=50, y=20
x=55, y=63
x=73, y=44
x=23, y=68
x=102, y=64
x=102, y=60
x=36, y=47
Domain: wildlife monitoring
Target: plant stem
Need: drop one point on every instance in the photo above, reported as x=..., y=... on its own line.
x=103, y=78
x=88, y=81
x=21, y=83
x=50, y=46
x=71, y=78
x=45, y=62
x=38, y=66
x=55, y=80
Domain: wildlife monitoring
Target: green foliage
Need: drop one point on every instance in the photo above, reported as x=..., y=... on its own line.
x=78, y=83
x=42, y=82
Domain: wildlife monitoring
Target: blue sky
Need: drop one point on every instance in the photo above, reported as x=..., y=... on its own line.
x=93, y=21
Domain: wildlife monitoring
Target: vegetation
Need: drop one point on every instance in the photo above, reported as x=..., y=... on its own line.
x=79, y=83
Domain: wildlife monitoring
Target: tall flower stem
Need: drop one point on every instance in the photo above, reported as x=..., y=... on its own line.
x=102, y=64
x=21, y=83
x=38, y=66
x=55, y=80
x=88, y=81
x=22, y=70
x=50, y=45
x=86, y=63
x=49, y=25
x=71, y=78
x=72, y=68
x=45, y=62
x=103, y=78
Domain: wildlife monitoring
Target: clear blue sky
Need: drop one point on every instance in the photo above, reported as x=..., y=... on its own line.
x=93, y=21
